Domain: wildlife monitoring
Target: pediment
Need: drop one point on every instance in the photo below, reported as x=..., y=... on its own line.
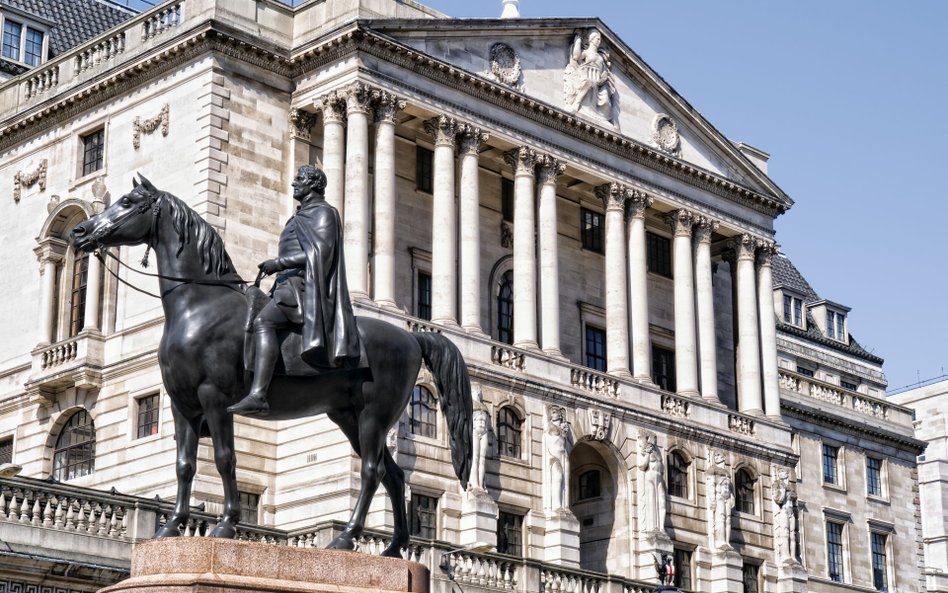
x=580, y=67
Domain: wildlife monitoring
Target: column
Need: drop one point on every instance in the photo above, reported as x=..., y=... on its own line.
x=471, y=140
x=748, y=344
x=768, y=328
x=383, y=269
x=707, y=349
x=93, y=288
x=686, y=361
x=548, y=169
x=49, y=259
x=301, y=125
x=444, y=220
x=637, y=202
x=356, y=222
x=613, y=197
x=523, y=161
x=333, y=107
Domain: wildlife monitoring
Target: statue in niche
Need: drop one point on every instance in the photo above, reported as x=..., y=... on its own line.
x=557, y=443
x=785, y=517
x=588, y=84
x=479, y=437
x=652, y=492
x=720, y=495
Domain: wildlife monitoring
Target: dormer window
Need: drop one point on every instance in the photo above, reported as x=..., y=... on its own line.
x=793, y=310
x=22, y=42
x=836, y=325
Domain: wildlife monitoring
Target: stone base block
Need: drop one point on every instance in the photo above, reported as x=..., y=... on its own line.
x=651, y=547
x=726, y=571
x=792, y=578
x=478, y=518
x=198, y=565
x=561, y=538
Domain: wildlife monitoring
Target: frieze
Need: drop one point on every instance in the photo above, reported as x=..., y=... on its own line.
x=37, y=177
x=503, y=66
x=147, y=126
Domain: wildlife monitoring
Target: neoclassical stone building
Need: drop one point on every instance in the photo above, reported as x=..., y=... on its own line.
x=530, y=188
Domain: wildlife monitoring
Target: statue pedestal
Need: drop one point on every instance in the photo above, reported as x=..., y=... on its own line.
x=561, y=538
x=195, y=564
x=478, y=518
x=651, y=547
x=791, y=578
x=726, y=571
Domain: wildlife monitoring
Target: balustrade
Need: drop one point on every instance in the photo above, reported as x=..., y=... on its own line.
x=594, y=382
x=832, y=394
x=162, y=20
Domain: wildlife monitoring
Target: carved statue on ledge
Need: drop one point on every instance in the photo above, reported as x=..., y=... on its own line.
x=588, y=83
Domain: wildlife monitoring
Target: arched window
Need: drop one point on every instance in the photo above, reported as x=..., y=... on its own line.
x=589, y=485
x=508, y=432
x=505, y=309
x=75, y=448
x=423, y=413
x=744, y=491
x=677, y=475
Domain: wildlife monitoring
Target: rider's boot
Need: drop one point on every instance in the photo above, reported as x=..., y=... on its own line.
x=267, y=350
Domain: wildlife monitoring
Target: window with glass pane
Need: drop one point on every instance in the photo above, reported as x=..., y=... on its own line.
x=879, y=564
x=658, y=254
x=591, y=227
x=77, y=294
x=874, y=476
x=423, y=516
x=806, y=372
x=595, y=348
x=848, y=385
x=834, y=550
x=74, y=455
x=744, y=492
x=830, y=464
x=424, y=169
x=93, y=151
x=423, y=414
x=505, y=311
x=508, y=432
x=751, y=577
x=424, y=296
x=33, y=53
x=663, y=368
x=677, y=475
x=147, y=416
x=831, y=324
x=682, y=559
x=589, y=485
x=11, y=39
x=840, y=334
x=510, y=534
x=6, y=450
x=507, y=199
x=792, y=310
x=249, y=508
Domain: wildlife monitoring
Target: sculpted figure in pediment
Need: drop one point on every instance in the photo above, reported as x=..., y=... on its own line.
x=588, y=84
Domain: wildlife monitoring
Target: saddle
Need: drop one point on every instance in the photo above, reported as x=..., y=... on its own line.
x=291, y=344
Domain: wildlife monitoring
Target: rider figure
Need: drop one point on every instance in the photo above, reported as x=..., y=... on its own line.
x=310, y=290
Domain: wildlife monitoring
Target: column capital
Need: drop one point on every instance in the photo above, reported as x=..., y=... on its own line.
x=523, y=160
x=704, y=226
x=301, y=122
x=613, y=195
x=744, y=246
x=766, y=252
x=333, y=106
x=549, y=168
x=358, y=98
x=681, y=221
x=443, y=129
x=471, y=138
x=637, y=202
x=386, y=106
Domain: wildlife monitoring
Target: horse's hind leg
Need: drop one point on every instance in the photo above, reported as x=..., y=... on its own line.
x=394, y=482
x=221, y=426
x=186, y=438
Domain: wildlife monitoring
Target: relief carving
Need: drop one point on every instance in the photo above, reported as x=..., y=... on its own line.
x=21, y=180
x=665, y=136
x=150, y=125
x=504, y=66
x=599, y=424
x=588, y=84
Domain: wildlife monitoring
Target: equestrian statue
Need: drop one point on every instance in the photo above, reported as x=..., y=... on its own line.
x=228, y=348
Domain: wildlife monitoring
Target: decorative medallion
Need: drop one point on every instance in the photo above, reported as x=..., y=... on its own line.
x=665, y=135
x=504, y=66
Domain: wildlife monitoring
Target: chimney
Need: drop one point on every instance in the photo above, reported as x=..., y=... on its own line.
x=511, y=9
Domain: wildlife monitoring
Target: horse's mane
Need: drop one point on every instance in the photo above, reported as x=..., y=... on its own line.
x=188, y=224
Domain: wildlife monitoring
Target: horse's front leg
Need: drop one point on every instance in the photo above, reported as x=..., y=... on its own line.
x=221, y=426
x=186, y=437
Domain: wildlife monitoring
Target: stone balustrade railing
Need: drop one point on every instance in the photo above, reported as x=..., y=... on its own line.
x=508, y=357
x=833, y=394
x=594, y=382
x=161, y=20
x=481, y=570
x=103, y=51
x=59, y=353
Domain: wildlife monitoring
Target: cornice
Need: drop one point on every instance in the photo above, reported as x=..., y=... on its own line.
x=824, y=341
x=845, y=423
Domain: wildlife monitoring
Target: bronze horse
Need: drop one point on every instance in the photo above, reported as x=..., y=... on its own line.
x=201, y=361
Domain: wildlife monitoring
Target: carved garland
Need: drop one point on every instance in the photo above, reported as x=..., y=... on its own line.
x=22, y=179
x=150, y=125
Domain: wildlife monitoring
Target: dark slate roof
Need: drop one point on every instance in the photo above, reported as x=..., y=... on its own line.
x=786, y=274
x=76, y=21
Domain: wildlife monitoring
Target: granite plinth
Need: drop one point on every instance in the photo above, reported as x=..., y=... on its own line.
x=205, y=565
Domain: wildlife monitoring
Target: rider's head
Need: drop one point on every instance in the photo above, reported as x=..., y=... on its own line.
x=314, y=177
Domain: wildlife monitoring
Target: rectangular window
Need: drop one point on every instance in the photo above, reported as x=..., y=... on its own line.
x=879, y=564
x=591, y=227
x=147, y=416
x=682, y=578
x=835, y=325
x=77, y=294
x=424, y=169
x=6, y=450
x=751, y=577
x=805, y=371
x=510, y=534
x=834, y=550
x=848, y=385
x=873, y=476
x=249, y=508
x=595, y=348
x=423, y=310
x=792, y=310
x=507, y=198
x=423, y=516
x=658, y=254
x=830, y=464
x=93, y=151
x=663, y=368
x=33, y=53
x=11, y=39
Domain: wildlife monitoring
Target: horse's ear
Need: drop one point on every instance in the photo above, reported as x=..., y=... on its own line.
x=134, y=183
x=147, y=184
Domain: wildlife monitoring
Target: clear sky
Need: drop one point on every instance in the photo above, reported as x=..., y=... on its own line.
x=850, y=98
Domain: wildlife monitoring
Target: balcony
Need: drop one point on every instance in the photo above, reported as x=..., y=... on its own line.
x=848, y=401
x=75, y=362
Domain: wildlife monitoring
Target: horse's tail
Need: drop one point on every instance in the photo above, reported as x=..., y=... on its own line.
x=450, y=374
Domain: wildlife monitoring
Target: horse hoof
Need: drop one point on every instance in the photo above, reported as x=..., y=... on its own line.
x=224, y=530
x=165, y=531
x=392, y=551
x=341, y=543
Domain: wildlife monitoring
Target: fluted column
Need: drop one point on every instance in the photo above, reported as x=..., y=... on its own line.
x=471, y=140
x=548, y=169
x=387, y=107
x=707, y=349
x=613, y=196
x=523, y=161
x=93, y=288
x=748, y=344
x=50, y=254
x=637, y=202
x=444, y=220
x=768, y=328
x=333, y=108
x=686, y=361
x=356, y=223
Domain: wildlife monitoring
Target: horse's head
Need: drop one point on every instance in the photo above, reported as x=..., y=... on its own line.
x=127, y=221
